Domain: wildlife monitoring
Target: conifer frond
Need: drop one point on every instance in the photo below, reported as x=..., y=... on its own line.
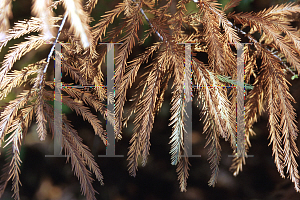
x=18, y=77
x=100, y=28
x=15, y=161
x=159, y=26
x=83, y=111
x=121, y=60
x=179, y=19
x=41, y=10
x=179, y=156
x=178, y=102
x=183, y=172
x=161, y=94
x=129, y=78
x=214, y=151
x=88, y=99
x=177, y=123
x=79, y=153
x=220, y=55
x=219, y=16
x=22, y=28
x=101, y=92
x=282, y=117
x=250, y=63
x=135, y=99
x=86, y=68
x=17, y=129
x=231, y=4
x=40, y=118
x=224, y=108
x=253, y=108
x=18, y=51
x=6, y=13
x=74, y=73
x=214, y=40
x=281, y=10
x=90, y=4
x=78, y=163
x=79, y=21
x=11, y=110
x=216, y=99
x=140, y=141
x=216, y=110
x=84, y=151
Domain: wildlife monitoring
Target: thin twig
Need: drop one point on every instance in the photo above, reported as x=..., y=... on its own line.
x=52, y=49
x=55, y=41
x=147, y=19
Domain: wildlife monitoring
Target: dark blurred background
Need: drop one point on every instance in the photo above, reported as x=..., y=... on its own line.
x=52, y=179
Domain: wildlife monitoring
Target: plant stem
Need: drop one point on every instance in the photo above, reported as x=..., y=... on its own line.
x=147, y=19
x=52, y=49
